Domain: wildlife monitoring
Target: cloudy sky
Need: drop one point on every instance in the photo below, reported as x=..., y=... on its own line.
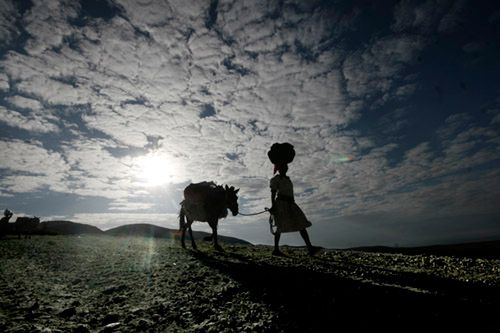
x=108, y=109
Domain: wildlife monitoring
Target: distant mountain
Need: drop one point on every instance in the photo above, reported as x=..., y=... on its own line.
x=141, y=229
x=150, y=230
x=486, y=249
x=67, y=228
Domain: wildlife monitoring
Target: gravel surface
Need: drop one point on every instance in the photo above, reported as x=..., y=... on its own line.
x=136, y=284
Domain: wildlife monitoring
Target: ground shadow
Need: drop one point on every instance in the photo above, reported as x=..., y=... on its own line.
x=451, y=288
x=310, y=301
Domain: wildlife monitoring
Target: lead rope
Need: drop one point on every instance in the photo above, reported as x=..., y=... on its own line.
x=271, y=224
x=265, y=210
x=271, y=220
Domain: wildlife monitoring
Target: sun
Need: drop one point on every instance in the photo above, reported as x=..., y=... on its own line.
x=154, y=169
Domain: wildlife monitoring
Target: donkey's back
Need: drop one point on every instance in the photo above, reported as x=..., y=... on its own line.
x=204, y=201
x=199, y=192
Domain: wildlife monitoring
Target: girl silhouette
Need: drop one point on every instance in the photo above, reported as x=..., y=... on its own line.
x=287, y=214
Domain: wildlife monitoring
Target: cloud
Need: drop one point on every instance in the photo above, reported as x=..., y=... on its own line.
x=25, y=184
x=51, y=91
x=496, y=119
x=424, y=181
x=34, y=122
x=374, y=70
x=428, y=17
x=124, y=205
x=8, y=18
x=24, y=103
x=406, y=90
x=47, y=24
x=4, y=82
x=453, y=123
x=453, y=19
x=211, y=86
x=96, y=172
x=159, y=13
x=31, y=167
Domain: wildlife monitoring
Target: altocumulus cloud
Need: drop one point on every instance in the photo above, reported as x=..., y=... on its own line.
x=87, y=89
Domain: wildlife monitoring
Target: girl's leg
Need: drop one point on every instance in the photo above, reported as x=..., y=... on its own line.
x=305, y=236
x=277, y=251
x=310, y=248
x=277, y=236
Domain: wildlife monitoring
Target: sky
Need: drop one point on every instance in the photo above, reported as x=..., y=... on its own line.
x=109, y=109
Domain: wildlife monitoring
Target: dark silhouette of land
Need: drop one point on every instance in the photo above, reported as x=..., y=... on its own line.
x=67, y=228
x=150, y=230
x=137, y=229
x=98, y=283
x=485, y=249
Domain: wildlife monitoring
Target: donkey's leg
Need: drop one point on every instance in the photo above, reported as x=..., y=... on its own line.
x=183, y=234
x=193, y=244
x=213, y=225
x=182, y=226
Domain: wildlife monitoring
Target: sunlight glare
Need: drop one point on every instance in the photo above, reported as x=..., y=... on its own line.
x=154, y=169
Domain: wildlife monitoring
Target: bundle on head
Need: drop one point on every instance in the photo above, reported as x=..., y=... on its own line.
x=281, y=153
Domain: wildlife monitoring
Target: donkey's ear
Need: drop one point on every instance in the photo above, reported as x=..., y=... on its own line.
x=236, y=191
x=227, y=188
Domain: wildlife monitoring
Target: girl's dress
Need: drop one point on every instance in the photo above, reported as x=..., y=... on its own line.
x=287, y=214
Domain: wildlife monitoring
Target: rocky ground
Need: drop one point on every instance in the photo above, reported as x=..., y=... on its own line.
x=118, y=284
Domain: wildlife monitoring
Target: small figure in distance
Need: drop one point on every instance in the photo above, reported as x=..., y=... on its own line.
x=286, y=213
x=4, y=222
x=7, y=214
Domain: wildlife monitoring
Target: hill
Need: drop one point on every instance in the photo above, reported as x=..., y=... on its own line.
x=150, y=230
x=67, y=228
x=139, y=229
x=486, y=249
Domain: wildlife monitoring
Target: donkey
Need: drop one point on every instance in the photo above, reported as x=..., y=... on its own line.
x=206, y=202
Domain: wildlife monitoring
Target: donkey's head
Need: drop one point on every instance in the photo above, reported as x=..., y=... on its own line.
x=232, y=199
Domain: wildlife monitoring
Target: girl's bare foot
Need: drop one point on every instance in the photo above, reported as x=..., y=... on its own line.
x=278, y=253
x=314, y=249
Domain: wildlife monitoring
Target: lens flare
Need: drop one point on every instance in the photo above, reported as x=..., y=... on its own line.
x=343, y=159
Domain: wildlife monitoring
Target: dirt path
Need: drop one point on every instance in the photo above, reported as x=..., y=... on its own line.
x=106, y=284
